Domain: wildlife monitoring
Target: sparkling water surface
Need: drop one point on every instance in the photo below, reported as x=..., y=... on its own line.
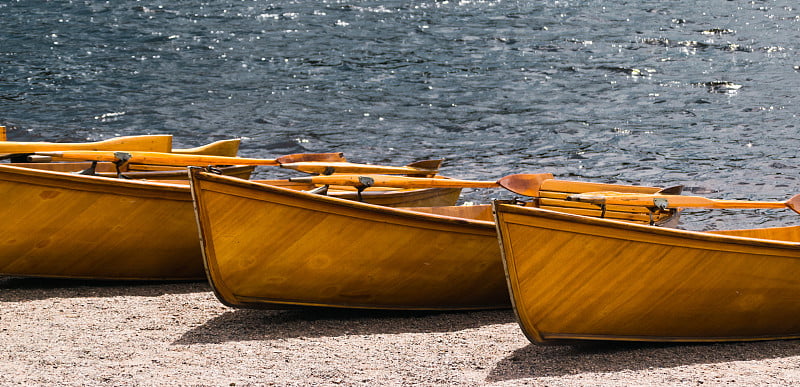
x=645, y=92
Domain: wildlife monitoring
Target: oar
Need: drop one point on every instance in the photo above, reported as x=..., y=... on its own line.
x=678, y=201
x=414, y=169
x=2, y=133
x=523, y=184
x=150, y=143
x=173, y=159
x=311, y=163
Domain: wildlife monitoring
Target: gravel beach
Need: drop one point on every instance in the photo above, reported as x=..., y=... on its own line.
x=106, y=333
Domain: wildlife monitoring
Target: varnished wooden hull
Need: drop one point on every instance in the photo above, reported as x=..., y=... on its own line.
x=578, y=278
x=57, y=224
x=266, y=246
x=64, y=225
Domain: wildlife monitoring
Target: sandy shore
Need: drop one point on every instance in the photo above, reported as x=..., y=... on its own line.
x=104, y=333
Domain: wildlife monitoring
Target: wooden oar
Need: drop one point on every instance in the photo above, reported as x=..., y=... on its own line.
x=173, y=159
x=2, y=133
x=523, y=184
x=150, y=143
x=311, y=163
x=678, y=201
x=341, y=167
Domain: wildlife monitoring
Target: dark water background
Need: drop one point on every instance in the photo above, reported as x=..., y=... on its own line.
x=650, y=92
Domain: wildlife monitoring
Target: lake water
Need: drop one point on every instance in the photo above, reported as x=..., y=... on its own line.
x=703, y=94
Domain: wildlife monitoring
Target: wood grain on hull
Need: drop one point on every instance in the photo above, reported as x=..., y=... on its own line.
x=62, y=225
x=267, y=246
x=578, y=278
x=58, y=224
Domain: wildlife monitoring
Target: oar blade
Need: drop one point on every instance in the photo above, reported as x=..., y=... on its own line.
x=794, y=203
x=429, y=165
x=304, y=157
x=229, y=148
x=527, y=184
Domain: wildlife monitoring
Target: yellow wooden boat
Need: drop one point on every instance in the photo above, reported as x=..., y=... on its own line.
x=579, y=278
x=267, y=246
x=58, y=224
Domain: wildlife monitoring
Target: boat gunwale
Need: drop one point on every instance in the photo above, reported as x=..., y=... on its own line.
x=87, y=183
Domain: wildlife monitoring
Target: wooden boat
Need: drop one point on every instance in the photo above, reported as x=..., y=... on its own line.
x=58, y=224
x=579, y=278
x=270, y=247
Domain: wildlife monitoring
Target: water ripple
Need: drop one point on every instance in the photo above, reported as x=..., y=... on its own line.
x=647, y=93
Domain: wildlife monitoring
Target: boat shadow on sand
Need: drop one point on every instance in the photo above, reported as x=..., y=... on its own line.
x=250, y=324
x=15, y=289
x=541, y=361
